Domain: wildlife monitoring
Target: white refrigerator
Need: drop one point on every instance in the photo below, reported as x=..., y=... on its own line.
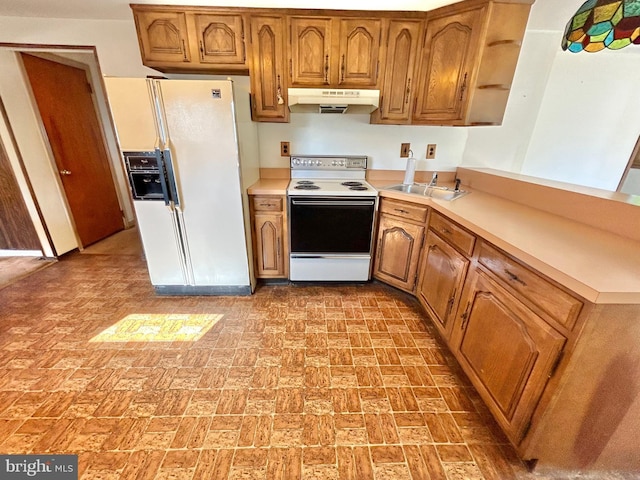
x=196, y=238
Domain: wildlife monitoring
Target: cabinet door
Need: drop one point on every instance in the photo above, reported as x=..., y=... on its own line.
x=398, y=87
x=310, y=50
x=162, y=36
x=398, y=252
x=507, y=351
x=358, y=53
x=441, y=280
x=448, y=56
x=269, y=245
x=268, y=80
x=220, y=39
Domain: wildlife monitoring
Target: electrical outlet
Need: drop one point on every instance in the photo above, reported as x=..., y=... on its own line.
x=404, y=150
x=284, y=149
x=431, y=151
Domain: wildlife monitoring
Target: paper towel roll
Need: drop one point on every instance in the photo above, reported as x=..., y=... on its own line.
x=410, y=171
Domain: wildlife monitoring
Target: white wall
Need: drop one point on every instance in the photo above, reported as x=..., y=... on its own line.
x=589, y=120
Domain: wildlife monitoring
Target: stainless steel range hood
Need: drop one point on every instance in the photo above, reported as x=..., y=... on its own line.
x=325, y=100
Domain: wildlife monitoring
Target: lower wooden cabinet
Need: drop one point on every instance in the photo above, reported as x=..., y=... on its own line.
x=508, y=351
x=441, y=280
x=400, y=235
x=269, y=236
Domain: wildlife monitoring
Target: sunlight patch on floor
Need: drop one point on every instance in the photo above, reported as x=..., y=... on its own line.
x=143, y=327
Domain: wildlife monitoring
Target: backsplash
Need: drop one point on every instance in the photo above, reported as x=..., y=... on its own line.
x=310, y=133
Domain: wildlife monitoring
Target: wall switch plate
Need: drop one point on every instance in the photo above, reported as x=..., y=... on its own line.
x=404, y=150
x=431, y=151
x=284, y=149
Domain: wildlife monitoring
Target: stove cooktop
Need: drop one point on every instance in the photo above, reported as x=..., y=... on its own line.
x=331, y=187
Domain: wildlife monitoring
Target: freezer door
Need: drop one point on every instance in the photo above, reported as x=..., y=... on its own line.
x=201, y=130
x=158, y=229
x=133, y=113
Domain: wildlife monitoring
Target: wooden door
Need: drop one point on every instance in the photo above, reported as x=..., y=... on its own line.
x=269, y=245
x=398, y=251
x=162, y=36
x=359, y=53
x=399, y=83
x=16, y=228
x=441, y=280
x=64, y=98
x=268, y=80
x=310, y=51
x=221, y=39
x=507, y=351
x=447, y=62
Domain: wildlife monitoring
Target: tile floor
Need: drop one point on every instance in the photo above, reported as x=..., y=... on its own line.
x=294, y=382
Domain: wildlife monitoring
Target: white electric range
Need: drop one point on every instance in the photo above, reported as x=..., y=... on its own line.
x=331, y=218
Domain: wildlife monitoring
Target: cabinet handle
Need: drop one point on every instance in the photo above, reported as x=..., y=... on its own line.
x=184, y=51
x=342, y=70
x=514, y=278
x=278, y=247
x=326, y=69
x=399, y=210
x=465, y=316
x=201, y=51
x=406, y=98
x=464, y=86
x=450, y=303
x=446, y=231
x=291, y=69
x=279, y=97
x=267, y=204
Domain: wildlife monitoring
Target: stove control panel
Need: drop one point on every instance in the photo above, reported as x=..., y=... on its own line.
x=312, y=162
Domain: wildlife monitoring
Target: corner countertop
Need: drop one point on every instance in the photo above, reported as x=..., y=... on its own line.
x=598, y=265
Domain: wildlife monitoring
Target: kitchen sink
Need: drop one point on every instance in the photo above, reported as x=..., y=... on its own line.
x=423, y=189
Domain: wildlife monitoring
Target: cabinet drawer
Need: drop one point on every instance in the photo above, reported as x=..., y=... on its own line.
x=267, y=204
x=452, y=233
x=555, y=302
x=410, y=211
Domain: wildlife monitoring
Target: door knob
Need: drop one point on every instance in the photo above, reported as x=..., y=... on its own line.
x=65, y=172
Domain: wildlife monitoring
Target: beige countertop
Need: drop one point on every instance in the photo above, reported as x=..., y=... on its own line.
x=598, y=265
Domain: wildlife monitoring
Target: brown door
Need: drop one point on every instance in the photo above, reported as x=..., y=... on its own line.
x=16, y=228
x=64, y=99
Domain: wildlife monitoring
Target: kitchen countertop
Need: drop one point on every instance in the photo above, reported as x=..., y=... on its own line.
x=600, y=266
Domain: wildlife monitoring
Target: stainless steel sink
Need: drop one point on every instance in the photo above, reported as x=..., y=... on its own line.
x=441, y=193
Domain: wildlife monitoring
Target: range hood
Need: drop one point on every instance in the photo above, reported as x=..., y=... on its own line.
x=324, y=100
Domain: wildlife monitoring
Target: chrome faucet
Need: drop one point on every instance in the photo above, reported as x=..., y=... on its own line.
x=457, y=187
x=434, y=180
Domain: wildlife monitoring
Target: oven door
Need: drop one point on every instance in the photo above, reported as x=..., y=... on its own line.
x=331, y=238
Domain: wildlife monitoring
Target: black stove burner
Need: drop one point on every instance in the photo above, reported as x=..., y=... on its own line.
x=358, y=187
x=352, y=184
x=307, y=186
x=304, y=182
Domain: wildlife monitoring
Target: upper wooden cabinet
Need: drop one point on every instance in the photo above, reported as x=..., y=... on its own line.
x=220, y=39
x=162, y=36
x=309, y=50
x=449, y=66
x=469, y=56
x=336, y=52
x=447, y=62
x=399, y=82
x=268, y=76
x=189, y=39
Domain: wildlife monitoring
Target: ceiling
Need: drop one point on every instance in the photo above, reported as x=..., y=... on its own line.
x=546, y=14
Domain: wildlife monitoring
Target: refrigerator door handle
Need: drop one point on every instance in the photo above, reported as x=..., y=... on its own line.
x=171, y=177
x=163, y=177
x=186, y=253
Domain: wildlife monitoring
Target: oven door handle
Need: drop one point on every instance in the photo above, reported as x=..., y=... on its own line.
x=340, y=203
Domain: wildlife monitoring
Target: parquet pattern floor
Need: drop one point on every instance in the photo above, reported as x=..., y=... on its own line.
x=294, y=382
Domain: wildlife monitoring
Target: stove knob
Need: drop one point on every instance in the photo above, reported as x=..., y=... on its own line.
x=334, y=163
x=319, y=163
